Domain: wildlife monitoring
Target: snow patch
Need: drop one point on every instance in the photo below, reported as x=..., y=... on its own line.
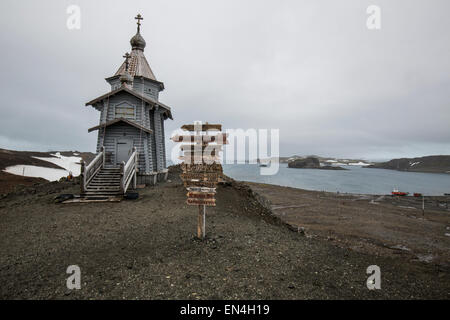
x=358, y=164
x=50, y=174
x=71, y=164
x=414, y=163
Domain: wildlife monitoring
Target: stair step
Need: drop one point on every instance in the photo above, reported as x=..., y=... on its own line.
x=103, y=186
x=88, y=195
x=105, y=183
x=100, y=192
x=111, y=177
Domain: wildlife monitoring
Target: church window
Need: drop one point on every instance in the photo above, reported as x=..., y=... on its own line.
x=125, y=111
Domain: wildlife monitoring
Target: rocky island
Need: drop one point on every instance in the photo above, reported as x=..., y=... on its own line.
x=311, y=163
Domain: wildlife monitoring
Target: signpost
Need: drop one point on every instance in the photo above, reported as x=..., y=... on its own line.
x=201, y=168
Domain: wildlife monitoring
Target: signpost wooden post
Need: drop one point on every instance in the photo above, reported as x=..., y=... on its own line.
x=201, y=167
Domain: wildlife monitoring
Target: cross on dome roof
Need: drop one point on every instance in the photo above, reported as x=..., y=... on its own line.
x=136, y=64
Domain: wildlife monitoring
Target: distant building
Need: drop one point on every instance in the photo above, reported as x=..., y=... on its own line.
x=131, y=116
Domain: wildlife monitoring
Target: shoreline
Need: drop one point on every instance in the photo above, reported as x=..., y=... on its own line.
x=342, y=193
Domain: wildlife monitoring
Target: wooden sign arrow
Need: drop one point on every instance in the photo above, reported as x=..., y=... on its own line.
x=201, y=168
x=198, y=183
x=221, y=138
x=207, y=176
x=201, y=202
x=201, y=195
x=199, y=160
x=199, y=148
x=202, y=189
x=201, y=127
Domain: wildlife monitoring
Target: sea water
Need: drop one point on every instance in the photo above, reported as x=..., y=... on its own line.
x=354, y=180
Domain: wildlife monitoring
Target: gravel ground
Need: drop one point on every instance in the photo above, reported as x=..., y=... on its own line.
x=146, y=249
x=382, y=225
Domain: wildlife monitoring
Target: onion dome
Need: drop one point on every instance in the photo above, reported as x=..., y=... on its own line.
x=137, y=42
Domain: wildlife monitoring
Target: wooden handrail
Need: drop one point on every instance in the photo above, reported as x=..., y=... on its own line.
x=128, y=170
x=88, y=172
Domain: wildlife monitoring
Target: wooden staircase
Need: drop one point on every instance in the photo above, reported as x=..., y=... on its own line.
x=99, y=181
x=106, y=183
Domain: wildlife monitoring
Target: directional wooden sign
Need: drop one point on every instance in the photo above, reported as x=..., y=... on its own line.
x=201, y=168
x=201, y=127
x=220, y=138
x=213, y=167
x=193, y=159
x=202, y=176
x=201, y=202
x=201, y=195
x=201, y=149
x=198, y=183
x=202, y=189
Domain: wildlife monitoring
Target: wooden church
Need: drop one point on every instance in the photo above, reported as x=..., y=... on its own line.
x=131, y=139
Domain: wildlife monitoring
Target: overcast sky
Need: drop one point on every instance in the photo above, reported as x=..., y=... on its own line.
x=309, y=68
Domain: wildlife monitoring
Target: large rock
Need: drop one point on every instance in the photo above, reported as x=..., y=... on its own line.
x=311, y=163
x=306, y=163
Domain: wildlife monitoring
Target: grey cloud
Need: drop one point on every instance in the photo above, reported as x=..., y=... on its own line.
x=309, y=68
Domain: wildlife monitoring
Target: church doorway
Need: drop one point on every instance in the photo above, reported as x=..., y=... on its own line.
x=124, y=150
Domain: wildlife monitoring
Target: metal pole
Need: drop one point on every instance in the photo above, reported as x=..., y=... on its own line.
x=423, y=206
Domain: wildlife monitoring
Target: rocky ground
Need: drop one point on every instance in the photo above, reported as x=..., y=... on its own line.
x=146, y=249
x=381, y=225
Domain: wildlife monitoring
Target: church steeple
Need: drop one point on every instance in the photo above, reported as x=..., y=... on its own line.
x=137, y=42
x=138, y=65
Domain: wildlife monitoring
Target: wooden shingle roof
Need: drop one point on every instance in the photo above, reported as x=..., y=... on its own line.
x=137, y=95
x=138, y=66
x=111, y=122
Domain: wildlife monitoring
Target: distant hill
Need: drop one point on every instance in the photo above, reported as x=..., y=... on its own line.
x=326, y=161
x=311, y=163
x=437, y=164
